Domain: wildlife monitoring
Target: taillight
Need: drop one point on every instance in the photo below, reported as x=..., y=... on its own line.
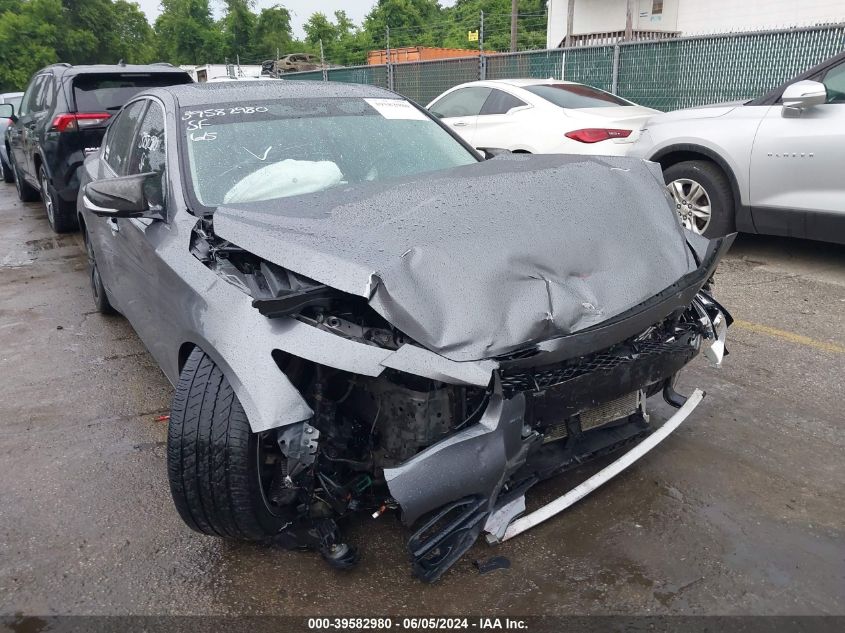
x=74, y=122
x=596, y=134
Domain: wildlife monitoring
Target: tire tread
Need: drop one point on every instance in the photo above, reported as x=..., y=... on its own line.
x=209, y=453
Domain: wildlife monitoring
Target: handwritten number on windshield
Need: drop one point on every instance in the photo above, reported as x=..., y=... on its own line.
x=188, y=115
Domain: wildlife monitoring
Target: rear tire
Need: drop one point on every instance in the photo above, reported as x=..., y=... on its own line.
x=699, y=186
x=6, y=169
x=213, y=457
x=60, y=214
x=26, y=193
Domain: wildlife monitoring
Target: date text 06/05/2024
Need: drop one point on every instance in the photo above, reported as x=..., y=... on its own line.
x=416, y=624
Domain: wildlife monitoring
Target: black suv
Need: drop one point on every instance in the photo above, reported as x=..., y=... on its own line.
x=63, y=117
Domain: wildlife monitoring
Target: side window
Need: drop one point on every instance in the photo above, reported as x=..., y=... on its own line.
x=834, y=81
x=463, y=102
x=44, y=97
x=28, y=99
x=500, y=102
x=118, y=141
x=149, y=153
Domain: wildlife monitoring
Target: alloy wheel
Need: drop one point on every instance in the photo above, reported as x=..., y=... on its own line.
x=92, y=264
x=692, y=204
x=45, y=194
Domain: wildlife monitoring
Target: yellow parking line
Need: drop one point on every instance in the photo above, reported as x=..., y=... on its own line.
x=792, y=337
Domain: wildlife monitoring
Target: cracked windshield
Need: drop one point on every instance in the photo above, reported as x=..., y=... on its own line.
x=276, y=149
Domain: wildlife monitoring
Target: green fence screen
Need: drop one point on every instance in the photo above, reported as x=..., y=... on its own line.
x=664, y=74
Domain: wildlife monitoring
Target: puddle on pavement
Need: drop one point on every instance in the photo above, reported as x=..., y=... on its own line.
x=16, y=259
x=50, y=243
x=33, y=248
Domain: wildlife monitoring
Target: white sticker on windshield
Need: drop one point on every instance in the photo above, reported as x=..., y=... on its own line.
x=396, y=109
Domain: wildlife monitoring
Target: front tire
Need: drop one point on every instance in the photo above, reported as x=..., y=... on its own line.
x=702, y=197
x=101, y=299
x=214, y=460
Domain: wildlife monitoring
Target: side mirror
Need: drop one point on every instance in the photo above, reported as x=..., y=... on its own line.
x=7, y=111
x=800, y=95
x=492, y=152
x=136, y=196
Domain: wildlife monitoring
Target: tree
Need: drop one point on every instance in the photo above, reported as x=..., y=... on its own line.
x=465, y=16
x=28, y=39
x=272, y=33
x=187, y=34
x=238, y=27
x=319, y=28
x=87, y=32
x=135, y=37
x=409, y=21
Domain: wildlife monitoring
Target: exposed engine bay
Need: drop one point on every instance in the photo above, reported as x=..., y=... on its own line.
x=401, y=442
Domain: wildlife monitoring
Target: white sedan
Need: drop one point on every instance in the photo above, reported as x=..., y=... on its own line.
x=541, y=116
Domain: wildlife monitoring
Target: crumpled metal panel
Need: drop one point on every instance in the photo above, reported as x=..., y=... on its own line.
x=439, y=474
x=483, y=259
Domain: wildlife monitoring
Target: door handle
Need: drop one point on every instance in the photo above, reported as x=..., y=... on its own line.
x=460, y=124
x=113, y=225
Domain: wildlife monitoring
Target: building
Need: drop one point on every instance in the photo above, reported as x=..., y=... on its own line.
x=605, y=21
x=205, y=72
x=417, y=54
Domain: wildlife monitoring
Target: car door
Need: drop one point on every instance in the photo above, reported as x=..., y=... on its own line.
x=112, y=162
x=143, y=276
x=460, y=109
x=498, y=124
x=797, y=163
x=18, y=131
x=39, y=122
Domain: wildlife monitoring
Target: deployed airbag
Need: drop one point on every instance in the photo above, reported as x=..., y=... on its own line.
x=285, y=178
x=481, y=260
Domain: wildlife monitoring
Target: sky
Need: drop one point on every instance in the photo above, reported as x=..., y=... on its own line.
x=300, y=10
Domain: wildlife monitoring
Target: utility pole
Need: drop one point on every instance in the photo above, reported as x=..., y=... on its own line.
x=389, y=65
x=482, y=63
x=323, y=62
x=570, y=19
x=629, y=21
x=514, y=4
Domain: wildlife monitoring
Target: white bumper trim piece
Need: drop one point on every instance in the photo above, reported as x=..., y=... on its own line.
x=606, y=474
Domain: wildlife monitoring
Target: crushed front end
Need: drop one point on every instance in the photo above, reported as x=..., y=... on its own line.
x=443, y=373
x=454, y=459
x=538, y=422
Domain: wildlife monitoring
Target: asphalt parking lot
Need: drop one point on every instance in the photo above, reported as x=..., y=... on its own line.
x=740, y=511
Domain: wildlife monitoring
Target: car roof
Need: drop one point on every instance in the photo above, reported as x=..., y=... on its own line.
x=11, y=94
x=519, y=83
x=83, y=69
x=190, y=95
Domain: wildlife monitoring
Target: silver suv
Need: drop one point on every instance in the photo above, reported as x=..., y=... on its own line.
x=773, y=165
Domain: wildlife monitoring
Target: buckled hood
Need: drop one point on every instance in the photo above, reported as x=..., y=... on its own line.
x=484, y=259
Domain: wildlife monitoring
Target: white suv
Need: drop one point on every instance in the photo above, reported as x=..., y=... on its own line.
x=773, y=165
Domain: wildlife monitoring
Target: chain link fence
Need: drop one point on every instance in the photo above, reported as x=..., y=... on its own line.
x=423, y=81
x=592, y=65
x=685, y=72
x=664, y=74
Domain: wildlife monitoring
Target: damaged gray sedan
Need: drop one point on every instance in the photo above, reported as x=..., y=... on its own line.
x=361, y=315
